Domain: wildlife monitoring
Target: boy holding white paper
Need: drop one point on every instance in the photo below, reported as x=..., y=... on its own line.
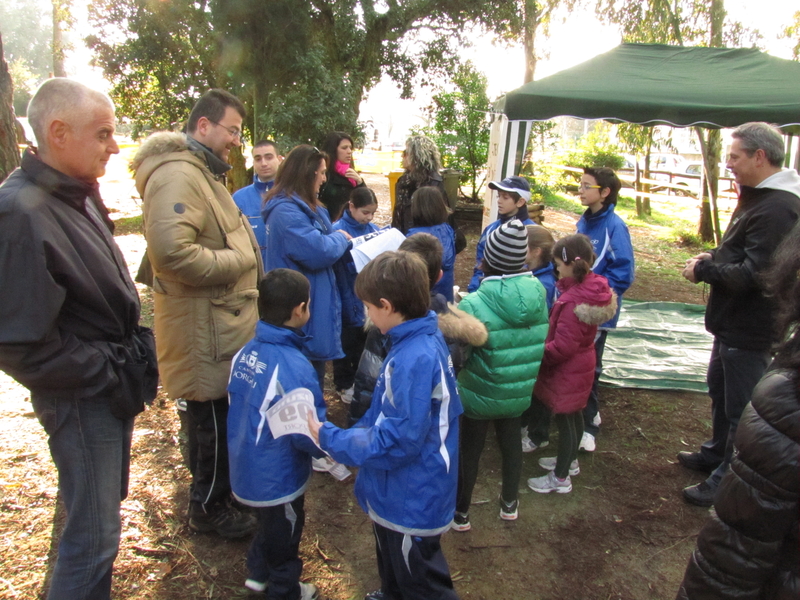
x=271, y=474
x=407, y=442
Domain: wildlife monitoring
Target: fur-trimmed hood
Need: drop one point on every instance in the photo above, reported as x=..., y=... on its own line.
x=163, y=142
x=595, y=302
x=458, y=325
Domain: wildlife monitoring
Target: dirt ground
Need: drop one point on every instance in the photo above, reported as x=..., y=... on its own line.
x=623, y=533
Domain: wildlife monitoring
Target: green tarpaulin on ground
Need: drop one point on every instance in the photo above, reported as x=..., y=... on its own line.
x=658, y=346
x=670, y=85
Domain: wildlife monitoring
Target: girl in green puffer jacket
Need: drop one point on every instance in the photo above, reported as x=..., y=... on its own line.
x=497, y=379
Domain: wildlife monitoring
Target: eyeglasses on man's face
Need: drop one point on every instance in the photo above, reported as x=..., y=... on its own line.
x=235, y=133
x=588, y=186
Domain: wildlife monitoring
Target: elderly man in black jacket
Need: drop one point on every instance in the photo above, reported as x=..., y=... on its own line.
x=69, y=331
x=739, y=314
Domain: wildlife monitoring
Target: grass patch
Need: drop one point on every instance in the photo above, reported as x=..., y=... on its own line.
x=129, y=225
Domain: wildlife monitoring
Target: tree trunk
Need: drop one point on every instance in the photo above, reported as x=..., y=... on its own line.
x=58, y=39
x=646, y=199
x=705, y=228
x=531, y=17
x=237, y=176
x=9, y=151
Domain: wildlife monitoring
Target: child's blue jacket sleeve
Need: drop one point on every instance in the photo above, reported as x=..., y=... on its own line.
x=400, y=415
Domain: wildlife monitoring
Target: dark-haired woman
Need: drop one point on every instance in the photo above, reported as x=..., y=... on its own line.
x=749, y=547
x=341, y=177
x=300, y=237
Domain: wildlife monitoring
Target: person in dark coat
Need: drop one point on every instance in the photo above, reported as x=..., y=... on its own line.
x=739, y=314
x=749, y=546
x=422, y=164
x=341, y=178
x=68, y=312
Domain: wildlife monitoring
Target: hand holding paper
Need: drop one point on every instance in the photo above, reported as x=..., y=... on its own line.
x=293, y=414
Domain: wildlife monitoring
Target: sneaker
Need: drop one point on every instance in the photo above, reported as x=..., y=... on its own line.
x=509, y=512
x=549, y=463
x=597, y=421
x=460, y=522
x=550, y=483
x=256, y=586
x=588, y=443
x=346, y=396
x=308, y=591
x=225, y=521
x=529, y=446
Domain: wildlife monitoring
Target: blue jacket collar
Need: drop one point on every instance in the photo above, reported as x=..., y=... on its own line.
x=423, y=325
x=262, y=186
x=600, y=214
x=285, y=336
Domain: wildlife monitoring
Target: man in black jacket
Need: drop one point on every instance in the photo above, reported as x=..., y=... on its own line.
x=739, y=315
x=68, y=313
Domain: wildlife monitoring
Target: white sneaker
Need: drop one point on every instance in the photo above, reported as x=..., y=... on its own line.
x=308, y=591
x=550, y=483
x=597, y=420
x=549, y=463
x=256, y=586
x=529, y=446
x=346, y=396
x=587, y=442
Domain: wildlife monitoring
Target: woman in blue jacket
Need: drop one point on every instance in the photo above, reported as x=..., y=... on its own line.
x=300, y=237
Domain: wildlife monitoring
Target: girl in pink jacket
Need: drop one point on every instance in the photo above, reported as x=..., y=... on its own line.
x=567, y=371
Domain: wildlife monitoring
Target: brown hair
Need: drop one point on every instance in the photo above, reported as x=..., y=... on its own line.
x=575, y=250
x=212, y=105
x=297, y=173
x=428, y=207
x=399, y=277
x=428, y=248
x=540, y=237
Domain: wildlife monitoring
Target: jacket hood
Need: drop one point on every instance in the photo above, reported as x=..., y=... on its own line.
x=595, y=302
x=268, y=333
x=786, y=180
x=507, y=299
x=459, y=325
x=601, y=214
x=158, y=149
x=282, y=198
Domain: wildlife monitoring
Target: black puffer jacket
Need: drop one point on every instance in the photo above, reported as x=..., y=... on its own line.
x=748, y=549
x=405, y=188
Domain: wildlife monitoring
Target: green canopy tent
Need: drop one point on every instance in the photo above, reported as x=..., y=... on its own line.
x=655, y=84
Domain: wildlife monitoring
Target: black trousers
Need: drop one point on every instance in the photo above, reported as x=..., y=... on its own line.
x=537, y=420
x=344, y=369
x=570, y=432
x=593, y=402
x=473, y=438
x=412, y=567
x=274, y=554
x=208, y=452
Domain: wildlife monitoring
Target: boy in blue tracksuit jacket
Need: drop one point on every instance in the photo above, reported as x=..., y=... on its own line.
x=612, y=246
x=271, y=474
x=406, y=445
x=513, y=194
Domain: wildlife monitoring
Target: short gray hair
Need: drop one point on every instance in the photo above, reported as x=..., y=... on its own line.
x=761, y=136
x=61, y=98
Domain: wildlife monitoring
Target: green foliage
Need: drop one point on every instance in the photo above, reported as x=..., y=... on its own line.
x=300, y=66
x=27, y=30
x=460, y=127
x=793, y=32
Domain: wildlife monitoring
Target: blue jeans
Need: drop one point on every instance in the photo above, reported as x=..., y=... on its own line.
x=91, y=449
x=732, y=375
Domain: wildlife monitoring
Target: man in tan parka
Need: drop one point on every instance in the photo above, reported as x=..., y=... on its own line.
x=205, y=271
